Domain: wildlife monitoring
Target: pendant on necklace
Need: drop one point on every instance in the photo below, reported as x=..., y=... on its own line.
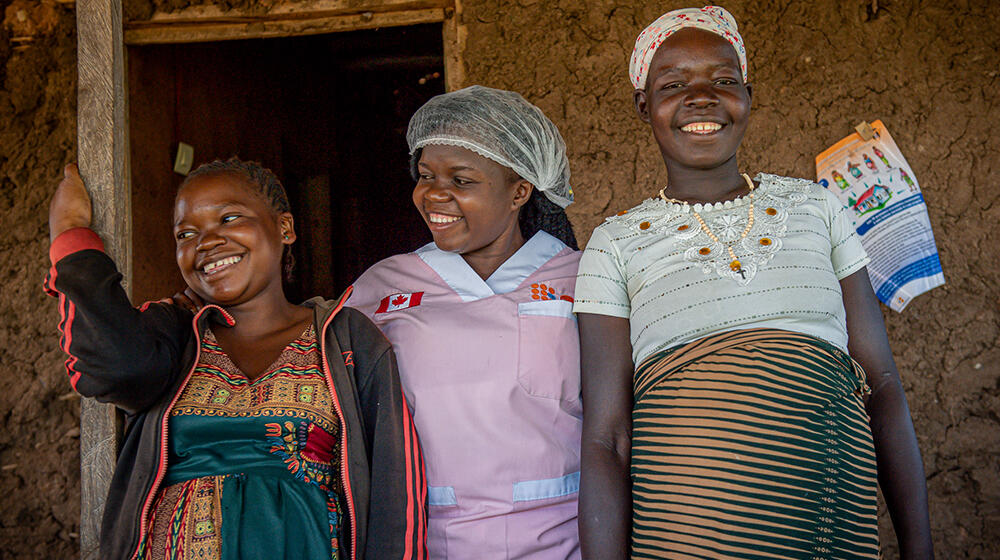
x=737, y=267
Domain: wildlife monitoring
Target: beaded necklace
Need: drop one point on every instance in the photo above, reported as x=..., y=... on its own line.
x=735, y=265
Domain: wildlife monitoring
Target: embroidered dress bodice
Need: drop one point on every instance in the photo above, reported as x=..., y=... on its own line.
x=253, y=469
x=491, y=369
x=655, y=265
x=727, y=220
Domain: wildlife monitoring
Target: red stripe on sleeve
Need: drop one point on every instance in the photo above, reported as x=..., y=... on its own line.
x=415, y=464
x=145, y=305
x=422, y=496
x=73, y=240
x=407, y=446
x=49, y=285
x=67, y=329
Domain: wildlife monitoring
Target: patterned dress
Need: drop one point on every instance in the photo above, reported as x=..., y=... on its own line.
x=253, y=468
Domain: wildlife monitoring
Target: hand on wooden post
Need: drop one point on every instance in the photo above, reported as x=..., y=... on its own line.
x=70, y=205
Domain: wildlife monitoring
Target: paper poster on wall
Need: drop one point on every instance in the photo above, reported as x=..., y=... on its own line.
x=872, y=178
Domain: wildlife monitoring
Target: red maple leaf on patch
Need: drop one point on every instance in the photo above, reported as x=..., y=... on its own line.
x=400, y=300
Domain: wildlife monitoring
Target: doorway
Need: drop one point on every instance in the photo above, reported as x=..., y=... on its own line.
x=327, y=113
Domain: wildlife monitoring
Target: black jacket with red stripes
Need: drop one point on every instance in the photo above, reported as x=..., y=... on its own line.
x=140, y=360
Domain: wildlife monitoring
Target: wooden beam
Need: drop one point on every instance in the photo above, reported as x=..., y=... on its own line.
x=267, y=27
x=454, y=34
x=287, y=10
x=102, y=149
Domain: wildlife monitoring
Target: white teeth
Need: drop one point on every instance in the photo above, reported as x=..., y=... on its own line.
x=442, y=219
x=701, y=127
x=214, y=265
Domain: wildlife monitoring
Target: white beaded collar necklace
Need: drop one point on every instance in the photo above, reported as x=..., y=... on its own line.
x=735, y=265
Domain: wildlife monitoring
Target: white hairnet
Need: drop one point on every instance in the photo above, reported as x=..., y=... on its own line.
x=502, y=126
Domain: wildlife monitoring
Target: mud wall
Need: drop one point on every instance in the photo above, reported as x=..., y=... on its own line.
x=818, y=68
x=39, y=434
x=929, y=73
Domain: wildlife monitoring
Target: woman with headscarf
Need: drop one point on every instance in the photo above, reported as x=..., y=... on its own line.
x=764, y=398
x=481, y=321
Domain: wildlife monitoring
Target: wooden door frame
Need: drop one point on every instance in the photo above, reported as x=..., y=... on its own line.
x=103, y=143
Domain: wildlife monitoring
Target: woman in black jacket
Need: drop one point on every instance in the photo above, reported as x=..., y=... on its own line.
x=256, y=428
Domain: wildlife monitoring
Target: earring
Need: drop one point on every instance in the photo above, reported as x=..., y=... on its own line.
x=286, y=236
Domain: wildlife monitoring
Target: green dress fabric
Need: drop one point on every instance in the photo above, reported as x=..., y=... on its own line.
x=253, y=469
x=752, y=444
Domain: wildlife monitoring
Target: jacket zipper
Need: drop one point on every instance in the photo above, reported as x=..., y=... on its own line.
x=164, y=426
x=344, y=474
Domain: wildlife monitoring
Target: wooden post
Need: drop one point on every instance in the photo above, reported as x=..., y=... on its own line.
x=454, y=36
x=102, y=139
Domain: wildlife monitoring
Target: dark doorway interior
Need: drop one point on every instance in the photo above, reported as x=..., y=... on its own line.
x=326, y=113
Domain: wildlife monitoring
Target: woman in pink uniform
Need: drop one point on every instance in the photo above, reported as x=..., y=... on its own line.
x=482, y=324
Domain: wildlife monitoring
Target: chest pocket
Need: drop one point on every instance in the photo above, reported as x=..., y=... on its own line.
x=548, y=350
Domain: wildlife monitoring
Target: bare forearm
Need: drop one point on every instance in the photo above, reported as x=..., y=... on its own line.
x=605, y=488
x=900, y=469
x=605, y=502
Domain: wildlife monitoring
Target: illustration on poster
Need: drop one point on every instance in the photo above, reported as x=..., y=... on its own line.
x=869, y=163
x=881, y=156
x=889, y=214
x=839, y=179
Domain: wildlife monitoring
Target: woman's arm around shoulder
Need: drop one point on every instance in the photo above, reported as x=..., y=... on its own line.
x=605, y=517
x=116, y=353
x=398, y=512
x=900, y=469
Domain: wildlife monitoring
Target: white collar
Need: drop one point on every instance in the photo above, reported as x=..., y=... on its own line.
x=457, y=273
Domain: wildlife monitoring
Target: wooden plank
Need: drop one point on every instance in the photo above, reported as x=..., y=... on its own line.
x=103, y=156
x=454, y=35
x=267, y=28
x=286, y=10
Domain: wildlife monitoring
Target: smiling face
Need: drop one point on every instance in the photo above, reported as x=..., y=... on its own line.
x=469, y=202
x=695, y=100
x=229, y=240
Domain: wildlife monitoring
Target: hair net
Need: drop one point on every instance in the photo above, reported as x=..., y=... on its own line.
x=502, y=126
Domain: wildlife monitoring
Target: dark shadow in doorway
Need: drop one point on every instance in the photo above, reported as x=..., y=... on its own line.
x=327, y=113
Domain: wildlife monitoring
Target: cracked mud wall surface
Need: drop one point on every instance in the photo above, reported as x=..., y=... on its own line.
x=39, y=434
x=817, y=68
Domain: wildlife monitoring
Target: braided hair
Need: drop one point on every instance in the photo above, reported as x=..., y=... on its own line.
x=538, y=214
x=541, y=214
x=265, y=183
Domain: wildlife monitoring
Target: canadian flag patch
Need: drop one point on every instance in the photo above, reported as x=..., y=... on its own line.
x=395, y=302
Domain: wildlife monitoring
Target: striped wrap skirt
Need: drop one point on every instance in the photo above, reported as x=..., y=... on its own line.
x=752, y=444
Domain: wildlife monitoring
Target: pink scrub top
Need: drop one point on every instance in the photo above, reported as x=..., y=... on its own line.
x=492, y=373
